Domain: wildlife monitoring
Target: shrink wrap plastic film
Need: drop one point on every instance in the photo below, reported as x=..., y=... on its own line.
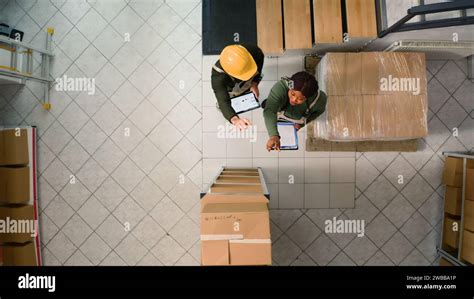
x=373, y=96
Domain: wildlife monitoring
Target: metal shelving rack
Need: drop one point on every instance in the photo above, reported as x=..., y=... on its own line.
x=456, y=260
x=25, y=71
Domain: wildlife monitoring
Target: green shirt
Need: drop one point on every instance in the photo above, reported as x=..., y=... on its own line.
x=223, y=83
x=278, y=101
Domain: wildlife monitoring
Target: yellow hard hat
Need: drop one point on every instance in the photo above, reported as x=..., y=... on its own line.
x=237, y=62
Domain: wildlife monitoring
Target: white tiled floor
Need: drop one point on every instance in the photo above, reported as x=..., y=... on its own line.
x=136, y=199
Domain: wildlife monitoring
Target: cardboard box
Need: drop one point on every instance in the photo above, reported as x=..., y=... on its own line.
x=453, y=200
x=241, y=169
x=445, y=262
x=398, y=67
x=469, y=215
x=343, y=74
x=19, y=255
x=452, y=174
x=14, y=185
x=467, y=251
x=244, y=216
x=451, y=232
x=235, y=230
x=17, y=224
x=470, y=184
x=250, y=252
x=345, y=117
x=244, y=173
x=234, y=188
x=395, y=117
x=359, y=108
x=453, y=168
x=215, y=253
x=14, y=147
x=238, y=179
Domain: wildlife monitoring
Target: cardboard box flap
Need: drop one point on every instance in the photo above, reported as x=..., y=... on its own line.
x=215, y=253
x=250, y=252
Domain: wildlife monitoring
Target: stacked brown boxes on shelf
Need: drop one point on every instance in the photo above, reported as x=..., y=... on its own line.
x=17, y=224
x=235, y=222
x=453, y=180
x=467, y=251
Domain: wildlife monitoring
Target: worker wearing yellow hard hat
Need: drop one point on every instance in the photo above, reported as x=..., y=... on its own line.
x=237, y=71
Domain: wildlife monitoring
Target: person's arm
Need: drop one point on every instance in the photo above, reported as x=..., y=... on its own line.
x=273, y=105
x=223, y=98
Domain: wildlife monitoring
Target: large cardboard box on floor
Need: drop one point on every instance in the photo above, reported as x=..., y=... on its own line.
x=17, y=224
x=451, y=231
x=453, y=200
x=14, y=185
x=373, y=96
x=13, y=147
x=235, y=230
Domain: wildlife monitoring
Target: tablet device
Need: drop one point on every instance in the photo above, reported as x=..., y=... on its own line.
x=288, y=136
x=244, y=103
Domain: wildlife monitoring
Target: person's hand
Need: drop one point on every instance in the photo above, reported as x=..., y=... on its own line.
x=240, y=123
x=254, y=89
x=298, y=126
x=273, y=143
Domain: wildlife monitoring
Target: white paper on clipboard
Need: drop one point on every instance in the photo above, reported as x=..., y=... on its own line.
x=244, y=103
x=288, y=136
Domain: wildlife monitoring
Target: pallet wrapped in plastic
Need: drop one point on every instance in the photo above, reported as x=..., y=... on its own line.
x=373, y=96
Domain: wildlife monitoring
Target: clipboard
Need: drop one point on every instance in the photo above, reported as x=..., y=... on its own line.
x=245, y=102
x=288, y=136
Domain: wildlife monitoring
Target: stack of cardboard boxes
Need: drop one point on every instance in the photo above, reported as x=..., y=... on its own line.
x=17, y=216
x=235, y=222
x=453, y=180
x=373, y=96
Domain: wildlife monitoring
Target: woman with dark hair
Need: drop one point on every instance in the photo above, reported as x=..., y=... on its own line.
x=296, y=99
